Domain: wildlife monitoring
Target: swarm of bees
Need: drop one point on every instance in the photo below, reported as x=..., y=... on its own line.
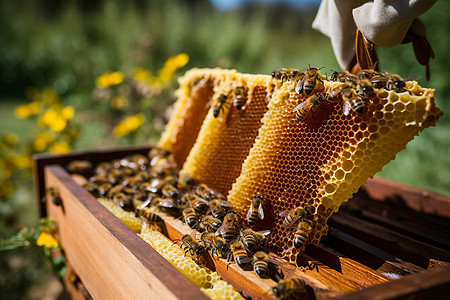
x=353, y=94
x=147, y=185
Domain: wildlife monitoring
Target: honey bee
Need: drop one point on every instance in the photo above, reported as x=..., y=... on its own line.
x=53, y=194
x=239, y=98
x=345, y=77
x=219, y=106
x=256, y=210
x=238, y=254
x=218, y=208
x=104, y=188
x=148, y=215
x=301, y=235
x=216, y=244
x=229, y=228
x=157, y=184
x=170, y=191
x=263, y=265
x=200, y=205
x=185, y=182
x=115, y=176
x=191, y=246
x=158, y=151
x=253, y=240
x=291, y=288
x=309, y=106
x=140, y=159
x=209, y=223
x=367, y=74
x=165, y=205
x=207, y=193
x=190, y=217
x=292, y=216
x=92, y=188
x=80, y=167
x=98, y=179
x=307, y=84
x=284, y=74
x=124, y=201
x=397, y=84
x=364, y=88
x=103, y=168
x=352, y=101
x=378, y=80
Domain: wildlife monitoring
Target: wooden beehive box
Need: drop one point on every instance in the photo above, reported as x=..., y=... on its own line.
x=390, y=241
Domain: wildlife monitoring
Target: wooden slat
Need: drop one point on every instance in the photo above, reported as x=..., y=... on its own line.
x=432, y=284
x=44, y=159
x=368, y=255
x=409, y=225
x=421, y=254
x=422, y=201
x=360, y=274
x=111, y=260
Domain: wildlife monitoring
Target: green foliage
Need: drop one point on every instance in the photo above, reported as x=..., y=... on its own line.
x=425, y=162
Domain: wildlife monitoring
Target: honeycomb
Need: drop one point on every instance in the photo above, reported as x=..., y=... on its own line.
x=193, y=99
x=126, y=217
x=208, y=282
x=316, y=163
x=232, y=132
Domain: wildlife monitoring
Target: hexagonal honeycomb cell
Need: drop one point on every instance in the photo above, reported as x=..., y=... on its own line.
x=317, y=162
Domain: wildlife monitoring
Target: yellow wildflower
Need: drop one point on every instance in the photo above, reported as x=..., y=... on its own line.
x=8, y=141
x=109, y=79
x=56, y=119
x=119, y=102
x=7, y=166
x=47, y=240
x=23, y=161
x=172, y=64
x=129, y=125
x=67, y=112
x=50, y=96
x=142, y=74
x=42, y=141
x=25, y=111
x=59, y=147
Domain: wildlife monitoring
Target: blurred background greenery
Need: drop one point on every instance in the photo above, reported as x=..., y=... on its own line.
x=55, y=95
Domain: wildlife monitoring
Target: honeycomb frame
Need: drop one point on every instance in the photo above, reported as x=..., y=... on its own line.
x=318, y=163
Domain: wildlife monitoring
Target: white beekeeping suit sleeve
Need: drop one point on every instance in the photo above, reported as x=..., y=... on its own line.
x=383, y=22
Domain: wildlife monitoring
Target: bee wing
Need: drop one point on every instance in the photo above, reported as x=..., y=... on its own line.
x=144, y=204
x=412, y=78
x=222, y=229
x=346, y=107
x=260, y=212
x=264, y=232
x=305, y=103
x=246, y=260
x=249, y=213
x=224, y=203
x=273, y=261
x=168, y=203
x=284, y=214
